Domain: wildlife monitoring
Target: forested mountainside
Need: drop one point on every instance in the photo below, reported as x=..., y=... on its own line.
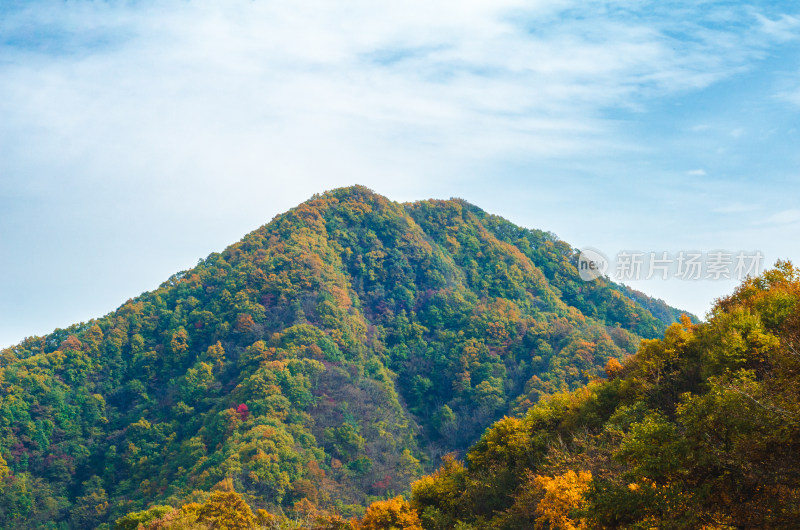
x=700, y=429
x=325, y=360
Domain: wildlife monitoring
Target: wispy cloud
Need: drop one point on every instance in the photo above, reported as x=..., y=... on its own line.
x=791, y=94
x=210, y=114
x=160, y=84
x=783, y=217
x=735, y=208
x=784, y=28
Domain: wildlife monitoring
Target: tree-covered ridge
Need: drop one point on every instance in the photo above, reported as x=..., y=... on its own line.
x=323, y=360
x=700, y=429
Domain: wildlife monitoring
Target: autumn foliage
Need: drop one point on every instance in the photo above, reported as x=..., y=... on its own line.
x=698, y=429
x=324, y=361
x=392, y=514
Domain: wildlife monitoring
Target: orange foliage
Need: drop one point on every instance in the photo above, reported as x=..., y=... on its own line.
x=394, y=514
x=613, y=368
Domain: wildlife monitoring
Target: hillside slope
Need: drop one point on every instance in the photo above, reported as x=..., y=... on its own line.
x=325, y=359
x=700, y=429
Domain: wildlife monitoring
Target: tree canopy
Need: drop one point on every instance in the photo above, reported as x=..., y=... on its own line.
x=324, y=361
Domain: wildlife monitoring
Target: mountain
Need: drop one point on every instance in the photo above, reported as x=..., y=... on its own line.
x=327, y=359
x=699, y=429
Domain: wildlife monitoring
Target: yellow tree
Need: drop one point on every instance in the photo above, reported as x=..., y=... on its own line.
x=394, y=514
x=563, y=494
x=226, y=510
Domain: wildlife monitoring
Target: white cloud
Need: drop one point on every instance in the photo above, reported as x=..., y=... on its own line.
x=784, y=217
x=784, y=28
x=790, y=95
x=208, y=118
x=735, y=208
x=246, y=86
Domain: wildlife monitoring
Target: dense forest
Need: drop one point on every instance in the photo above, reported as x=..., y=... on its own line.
x=699, y=429
x=312, y=371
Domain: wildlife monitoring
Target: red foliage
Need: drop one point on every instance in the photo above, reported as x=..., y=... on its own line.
x=243, y=411
x=382, y=485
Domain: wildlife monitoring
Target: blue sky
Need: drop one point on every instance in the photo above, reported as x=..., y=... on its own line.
x=138, y=137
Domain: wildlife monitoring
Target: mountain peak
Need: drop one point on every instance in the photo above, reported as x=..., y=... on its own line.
x=327, y=355
x=354, y=192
